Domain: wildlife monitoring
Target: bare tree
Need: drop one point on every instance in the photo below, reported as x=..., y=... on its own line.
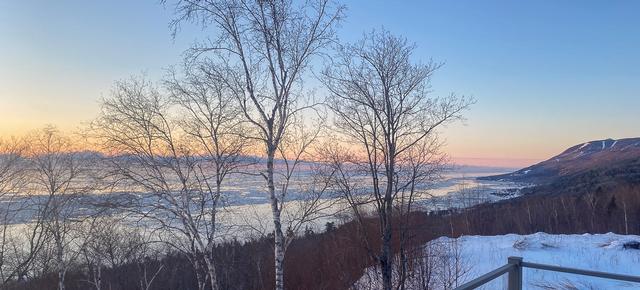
x=177, y=164
x=383, y=108
x=212, y=121
x=439, y=265
x=14, y=260
x=262, y=51
x=111, y=243
x=421, y=165
x=60, y=176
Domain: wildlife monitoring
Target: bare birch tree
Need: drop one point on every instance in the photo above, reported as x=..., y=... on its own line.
x=14, y=259
x=59, y=176
x=262, y=51
x=177, y=164
x=382, y=106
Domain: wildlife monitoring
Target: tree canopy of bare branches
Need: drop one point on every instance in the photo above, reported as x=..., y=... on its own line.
x=60, y=175
x=262, y=51
x=13, y=181
x=177, y=164
x=382, y=107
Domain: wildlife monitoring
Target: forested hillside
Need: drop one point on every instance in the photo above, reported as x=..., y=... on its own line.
x=596, y=201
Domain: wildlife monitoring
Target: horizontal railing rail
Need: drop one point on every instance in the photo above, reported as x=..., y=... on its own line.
x=591, y=273
x=486, y=278
x=514, y=268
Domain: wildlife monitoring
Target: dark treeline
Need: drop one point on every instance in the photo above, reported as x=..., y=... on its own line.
x=336, y=258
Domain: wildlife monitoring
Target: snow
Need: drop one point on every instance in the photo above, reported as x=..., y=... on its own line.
x=599, y=252
x=614, y=143
x=584, y=145
x=603, y=144
x=527, y=171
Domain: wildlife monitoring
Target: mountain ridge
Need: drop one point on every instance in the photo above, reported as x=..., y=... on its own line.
x=577, y=159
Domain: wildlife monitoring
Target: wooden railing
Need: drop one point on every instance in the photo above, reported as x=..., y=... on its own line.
x=514, y=267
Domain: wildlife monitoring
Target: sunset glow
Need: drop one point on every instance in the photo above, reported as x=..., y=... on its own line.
x=546, y=75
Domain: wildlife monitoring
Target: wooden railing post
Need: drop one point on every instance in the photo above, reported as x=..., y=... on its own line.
x=515, y=274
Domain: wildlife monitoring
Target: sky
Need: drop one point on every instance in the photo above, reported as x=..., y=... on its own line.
x=546, y=75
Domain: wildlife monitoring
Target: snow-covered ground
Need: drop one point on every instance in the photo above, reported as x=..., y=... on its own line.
x=477, y=255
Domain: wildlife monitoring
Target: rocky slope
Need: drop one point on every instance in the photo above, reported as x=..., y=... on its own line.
x=581, y=158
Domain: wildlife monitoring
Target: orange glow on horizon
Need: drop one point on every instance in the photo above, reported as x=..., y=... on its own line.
x=496, y=162
x=468, y=158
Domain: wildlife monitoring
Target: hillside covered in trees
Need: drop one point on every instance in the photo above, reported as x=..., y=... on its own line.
x=605, y=199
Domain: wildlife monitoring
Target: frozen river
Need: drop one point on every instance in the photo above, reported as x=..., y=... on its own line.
x=249, y=211
x=246, y=210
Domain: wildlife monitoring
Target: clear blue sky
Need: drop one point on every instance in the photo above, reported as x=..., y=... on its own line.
x=546, y=74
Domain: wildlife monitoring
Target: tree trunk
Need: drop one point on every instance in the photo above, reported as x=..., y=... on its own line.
x=209, y=258
x=279, y=253
x=199, y=275
x=386, y=255
x=98, y=277
x=278, y=235
x=403, y=269
x=626, y=220
x=385, y=258
x=213, y=278
x=60, y=262
x=60, y=280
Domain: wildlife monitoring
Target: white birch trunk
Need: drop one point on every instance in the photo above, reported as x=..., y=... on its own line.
x=279, y=249
x=211, y=271
x=60, y=263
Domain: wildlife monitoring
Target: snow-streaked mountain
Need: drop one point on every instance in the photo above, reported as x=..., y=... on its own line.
x=580, y=158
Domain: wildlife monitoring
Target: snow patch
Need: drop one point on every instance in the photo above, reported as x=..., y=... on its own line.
x=579, y=154
x=477, y=255
x=584, y=145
